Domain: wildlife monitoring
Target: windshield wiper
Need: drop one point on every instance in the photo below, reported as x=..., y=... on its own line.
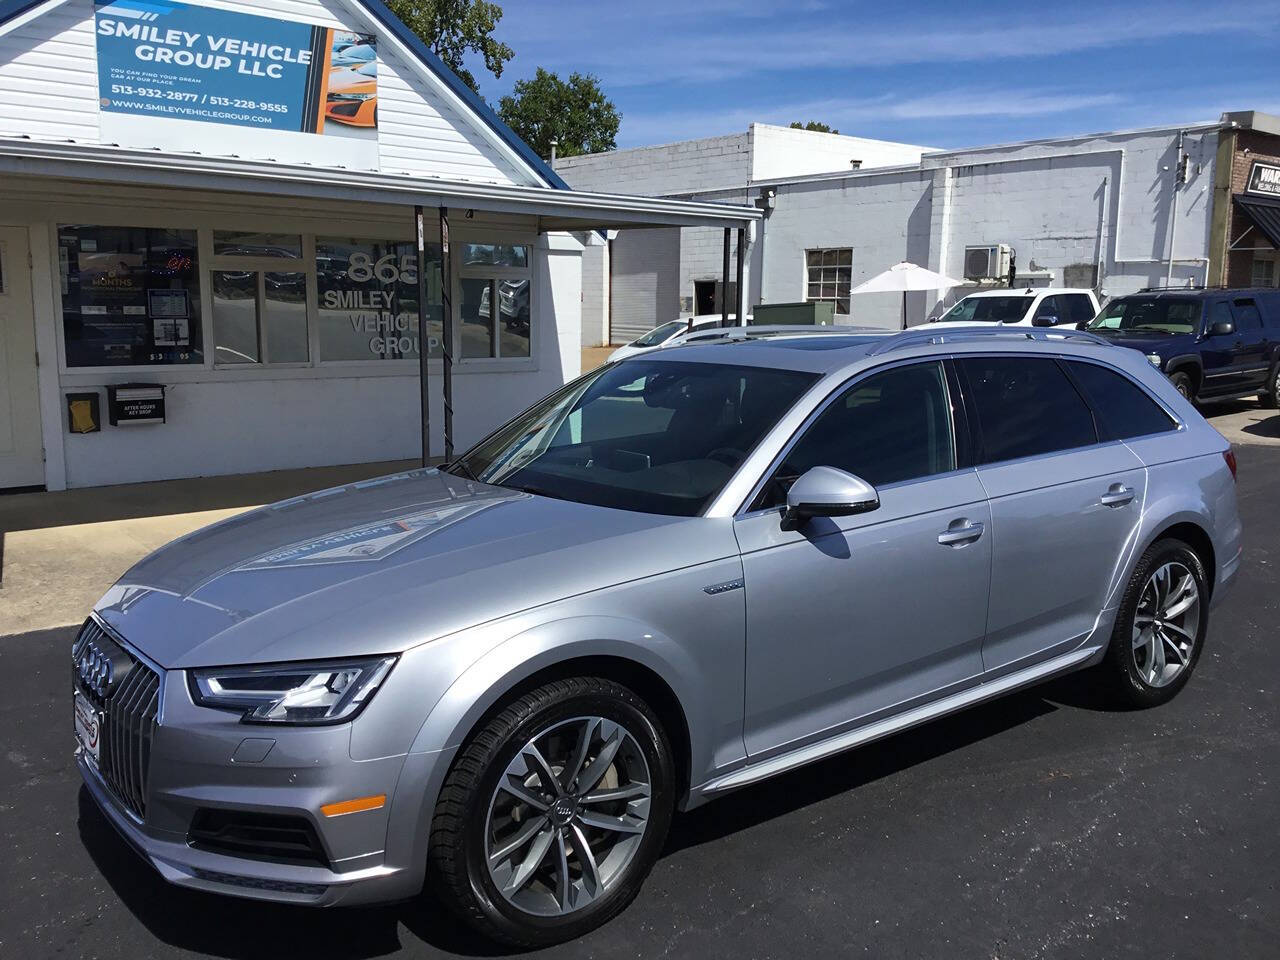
x=460, y=467
x=536, y=491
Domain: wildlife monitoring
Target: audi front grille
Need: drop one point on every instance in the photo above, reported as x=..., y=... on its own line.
x=126, y=693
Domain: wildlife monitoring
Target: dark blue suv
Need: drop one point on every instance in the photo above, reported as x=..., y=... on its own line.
x=1212, y=344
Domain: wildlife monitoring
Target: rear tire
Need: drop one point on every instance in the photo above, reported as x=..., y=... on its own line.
x=1182, y=383
x=1160, y=629
x=506, y=845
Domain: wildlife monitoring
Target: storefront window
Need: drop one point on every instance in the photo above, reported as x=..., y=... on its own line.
x=227, y=243
x=494, y=307
x=260, y=316
x=130, y=296
x=368, y=299
x=495, y=254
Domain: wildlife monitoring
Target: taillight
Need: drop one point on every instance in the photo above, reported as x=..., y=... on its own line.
x=1230, y=456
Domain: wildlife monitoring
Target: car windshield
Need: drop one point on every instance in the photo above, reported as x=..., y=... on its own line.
x=989, y=309
x=1149, y=315
x=661, y=334
x=646, y=435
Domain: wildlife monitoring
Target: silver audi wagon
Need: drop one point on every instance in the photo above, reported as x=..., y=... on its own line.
x=674, y=577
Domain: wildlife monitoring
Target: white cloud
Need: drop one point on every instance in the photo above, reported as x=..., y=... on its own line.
x=718, y=40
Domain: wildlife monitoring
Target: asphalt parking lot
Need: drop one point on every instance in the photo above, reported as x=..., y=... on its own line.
x=1040, y=826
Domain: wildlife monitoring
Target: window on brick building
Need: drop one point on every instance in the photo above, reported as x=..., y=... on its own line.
x=1264, y=272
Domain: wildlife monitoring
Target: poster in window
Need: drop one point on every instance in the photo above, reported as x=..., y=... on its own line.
x=368, y=299
x=130, y=296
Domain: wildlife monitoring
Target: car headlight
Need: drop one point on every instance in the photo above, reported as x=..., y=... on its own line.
x=1155, y=360
x=323, y=692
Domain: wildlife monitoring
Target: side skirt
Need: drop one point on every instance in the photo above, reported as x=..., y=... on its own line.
x=753, y=773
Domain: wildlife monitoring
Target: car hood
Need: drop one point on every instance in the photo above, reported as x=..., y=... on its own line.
x=1146, y=341
x=382, y=565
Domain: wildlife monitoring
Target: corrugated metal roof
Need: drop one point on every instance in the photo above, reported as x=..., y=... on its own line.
x=556, y=209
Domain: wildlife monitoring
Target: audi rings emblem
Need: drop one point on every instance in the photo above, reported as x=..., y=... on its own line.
x=95, y=670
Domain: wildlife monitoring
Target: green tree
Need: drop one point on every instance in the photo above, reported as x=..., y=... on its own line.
x=451, y=28
x=813, y=125
x=575, y=113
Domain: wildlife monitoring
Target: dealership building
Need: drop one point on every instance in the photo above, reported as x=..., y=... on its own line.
x=226, y=230
x=1180, y=205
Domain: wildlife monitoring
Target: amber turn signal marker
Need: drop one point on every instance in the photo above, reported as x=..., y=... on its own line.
x=354, y=806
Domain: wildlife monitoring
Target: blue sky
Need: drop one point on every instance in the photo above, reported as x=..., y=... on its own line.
x=937, y=74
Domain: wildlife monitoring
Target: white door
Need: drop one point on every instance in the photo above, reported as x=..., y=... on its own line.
x=21, y=455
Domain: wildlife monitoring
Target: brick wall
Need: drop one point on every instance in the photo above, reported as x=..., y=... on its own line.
x=1260, y=146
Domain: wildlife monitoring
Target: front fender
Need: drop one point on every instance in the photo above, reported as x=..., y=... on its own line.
x=490, y=678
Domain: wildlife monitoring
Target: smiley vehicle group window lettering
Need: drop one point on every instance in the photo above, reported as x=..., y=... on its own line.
x=368, y=299
x=130, y=296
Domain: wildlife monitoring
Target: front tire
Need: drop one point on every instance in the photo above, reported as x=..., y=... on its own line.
x=1161, y=626
x=1182, y=383
x=1270, y=397
x=553, y=813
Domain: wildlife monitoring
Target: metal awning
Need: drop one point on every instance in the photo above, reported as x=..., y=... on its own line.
x=555, y=209
x=1265, y=215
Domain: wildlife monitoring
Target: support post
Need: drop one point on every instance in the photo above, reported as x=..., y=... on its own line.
x=724, y=281
x=446, y=331
x=742, y=289
x=423, y=393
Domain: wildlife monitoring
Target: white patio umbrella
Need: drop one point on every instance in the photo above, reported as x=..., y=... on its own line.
x=902, y=277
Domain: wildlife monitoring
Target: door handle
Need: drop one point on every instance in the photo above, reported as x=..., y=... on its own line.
x=960, y=532
x=1117, y=495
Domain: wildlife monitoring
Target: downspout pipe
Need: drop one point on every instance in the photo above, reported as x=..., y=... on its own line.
x=1173, y=213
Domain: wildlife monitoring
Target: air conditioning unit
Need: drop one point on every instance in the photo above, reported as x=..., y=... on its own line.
x=990, y=262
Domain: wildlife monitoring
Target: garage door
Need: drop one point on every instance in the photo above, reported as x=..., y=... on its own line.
x=645, y=282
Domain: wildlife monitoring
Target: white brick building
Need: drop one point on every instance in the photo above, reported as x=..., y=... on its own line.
x=1104, y=210
x=665, y=272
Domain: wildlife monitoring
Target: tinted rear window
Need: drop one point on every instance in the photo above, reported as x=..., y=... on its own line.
x=1026, y=407
x=1122, y=408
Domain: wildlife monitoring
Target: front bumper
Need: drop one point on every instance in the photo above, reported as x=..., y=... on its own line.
x=367, y=857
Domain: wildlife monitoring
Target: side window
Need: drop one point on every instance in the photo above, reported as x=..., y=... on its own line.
x=1026, y=407
x=1219, y=312
x=1247, y=316
x=1050, y=307
x=1122, y=408
x=1079, y=308
x=890, y=427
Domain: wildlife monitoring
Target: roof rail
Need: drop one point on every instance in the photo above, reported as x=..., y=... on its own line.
x=910, y=338
x=761, y=332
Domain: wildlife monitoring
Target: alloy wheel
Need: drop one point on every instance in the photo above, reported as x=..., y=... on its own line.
x=1167, y=624
x=567, y=816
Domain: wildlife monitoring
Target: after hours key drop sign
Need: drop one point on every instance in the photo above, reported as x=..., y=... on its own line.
x=176, y=75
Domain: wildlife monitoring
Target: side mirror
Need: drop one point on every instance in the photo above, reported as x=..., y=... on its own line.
x=1045, y=320
x=828, y=492
x=1223, y=328
x=1082, y=325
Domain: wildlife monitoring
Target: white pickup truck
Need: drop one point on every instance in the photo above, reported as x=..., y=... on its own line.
x=1032, y=306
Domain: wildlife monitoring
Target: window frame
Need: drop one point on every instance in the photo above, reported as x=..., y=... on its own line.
x=260, y=267
x=961, y=431
x=835, y=300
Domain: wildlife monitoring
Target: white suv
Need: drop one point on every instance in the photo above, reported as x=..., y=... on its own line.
x=1039, y=307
